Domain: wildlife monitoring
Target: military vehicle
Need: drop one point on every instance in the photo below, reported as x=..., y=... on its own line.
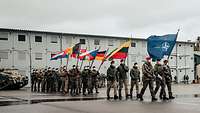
x=11, y=79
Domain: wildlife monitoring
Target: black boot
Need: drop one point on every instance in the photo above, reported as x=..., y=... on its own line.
x=170, y=96
x=115, y=97
x=126, y=97
x=154, y=99
x=140, y=97
x=165, y=98
x=108, y=97
x=131, y=96
x=120, y=95
x=137, y=96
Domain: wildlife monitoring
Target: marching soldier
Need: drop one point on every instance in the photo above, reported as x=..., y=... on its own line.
x=94, y=73
x=112, y=80
x=147, y=79
x=135, y=78
x=168, y=78
x=160, y=80
x=122, y=70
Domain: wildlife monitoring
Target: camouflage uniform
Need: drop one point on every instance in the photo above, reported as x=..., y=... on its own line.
x=147, y=79
x=94, y=73
x=160, y=81
x=168, y=78
x=84, y=77
x=135, y=78
x=111, y=81
x=122, y=70
x=73, y=77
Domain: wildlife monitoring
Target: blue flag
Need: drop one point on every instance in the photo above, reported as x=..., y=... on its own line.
x=158, y=46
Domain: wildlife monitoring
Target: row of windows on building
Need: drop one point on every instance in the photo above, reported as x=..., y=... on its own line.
x=22, y=38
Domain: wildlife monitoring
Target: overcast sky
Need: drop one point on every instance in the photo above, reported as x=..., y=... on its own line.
x=139, y=18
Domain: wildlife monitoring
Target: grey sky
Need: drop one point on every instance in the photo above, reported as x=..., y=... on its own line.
x=139, y=18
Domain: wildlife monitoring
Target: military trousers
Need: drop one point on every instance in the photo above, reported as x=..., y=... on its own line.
x=125, y=83
x=111, y=84
x=136, y=84
x=160, y=83
x=145, y=84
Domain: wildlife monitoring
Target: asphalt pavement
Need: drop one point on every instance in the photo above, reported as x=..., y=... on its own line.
x=23, y=101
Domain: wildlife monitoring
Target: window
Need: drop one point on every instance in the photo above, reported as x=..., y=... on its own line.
x=179, y=45
x=38, y=56
x=191, y=46
x=3, y=55
x=180, y=57
x=110, y=42
x=171, y=70
x=133, y=44
x=3, y=36
x=21, y=55
x=192, y=70
x=82, y=41
x=38, y=38
x=192, y=58
x=180, y=70
x=21, y=38
x=96, y=42
x=54, y=39
x=171, y=57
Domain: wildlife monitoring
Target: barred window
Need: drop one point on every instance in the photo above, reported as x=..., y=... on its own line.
x=21, y=38
x=82, y=41
x=38, y=38
x=3, y=36
x=54, y=39
x=96, y=41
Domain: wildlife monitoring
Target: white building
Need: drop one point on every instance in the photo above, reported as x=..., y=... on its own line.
x=25, y=49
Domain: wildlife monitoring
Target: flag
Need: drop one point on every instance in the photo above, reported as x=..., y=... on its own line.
x=82, y=51
x=158, y=46
x=58, y=55
x=121, y=52
x=76, y=50
x=100, y=55
x=89, y=55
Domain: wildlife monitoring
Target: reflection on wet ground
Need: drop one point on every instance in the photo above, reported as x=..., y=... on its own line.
x=8, y=100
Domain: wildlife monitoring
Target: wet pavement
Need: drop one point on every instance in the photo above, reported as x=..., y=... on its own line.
x=23, y=101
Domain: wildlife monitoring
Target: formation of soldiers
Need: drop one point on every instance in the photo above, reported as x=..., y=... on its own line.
x=160, y=74
x=74, y=81
x=88, y=80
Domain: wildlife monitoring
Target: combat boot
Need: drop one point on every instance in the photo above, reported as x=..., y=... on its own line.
x=108, y=97
x=120, y=95
x=137, y=96
x=154, y=99
x=140, y=97
x=115, y=97
x=165, y=98
x=170, y=96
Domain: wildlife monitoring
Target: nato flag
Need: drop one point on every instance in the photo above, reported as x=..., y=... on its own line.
x=158, y=46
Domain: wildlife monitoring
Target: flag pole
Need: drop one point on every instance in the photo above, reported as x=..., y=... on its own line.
x=103, y=60
x=67, y=62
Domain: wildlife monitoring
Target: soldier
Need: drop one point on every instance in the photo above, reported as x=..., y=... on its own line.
x=44, y=81
x=94, y=73
x=39, y=79
x=112, y=80
x=33, y=80
x=84, y=77
x=49, y=74
x=147, y=79
x=135, y=78
x=72, y=74
x=78, y=81
x=160, y=80
x=64, y=80
x=122, y=70
x=168, y=78
x=89, y=81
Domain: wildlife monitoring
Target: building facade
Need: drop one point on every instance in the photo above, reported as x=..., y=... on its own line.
x=26, y=50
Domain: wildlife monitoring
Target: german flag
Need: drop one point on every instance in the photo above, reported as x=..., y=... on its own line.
x=121, y=52
x=100, y=55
